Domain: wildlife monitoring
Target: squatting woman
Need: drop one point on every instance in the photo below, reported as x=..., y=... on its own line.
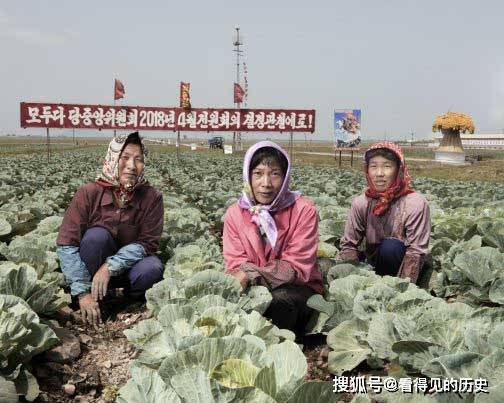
x=270, y=237
x=392, y=217
x=112, y=229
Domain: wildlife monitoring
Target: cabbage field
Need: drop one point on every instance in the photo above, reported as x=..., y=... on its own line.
x=202, y=340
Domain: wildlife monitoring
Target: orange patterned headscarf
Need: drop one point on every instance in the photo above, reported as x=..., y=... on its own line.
x=400, y=186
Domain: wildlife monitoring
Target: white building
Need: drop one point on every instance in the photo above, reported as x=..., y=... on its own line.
x=474, y=140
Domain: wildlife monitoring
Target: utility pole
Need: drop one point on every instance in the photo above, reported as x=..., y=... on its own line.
x=237, y=43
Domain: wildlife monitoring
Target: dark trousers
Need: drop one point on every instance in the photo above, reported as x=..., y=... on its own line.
x=288, y=309
x=97, y=245
x=389, y=256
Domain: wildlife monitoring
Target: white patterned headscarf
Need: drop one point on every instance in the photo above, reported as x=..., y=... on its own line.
x=109, y=177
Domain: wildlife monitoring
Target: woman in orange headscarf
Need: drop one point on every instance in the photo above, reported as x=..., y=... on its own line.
x=393, y=217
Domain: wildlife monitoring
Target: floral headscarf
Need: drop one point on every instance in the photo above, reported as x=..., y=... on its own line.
x=400, y=186
x=109, y=176
x=261, y=213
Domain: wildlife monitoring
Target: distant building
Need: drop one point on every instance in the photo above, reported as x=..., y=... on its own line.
x=474, y=140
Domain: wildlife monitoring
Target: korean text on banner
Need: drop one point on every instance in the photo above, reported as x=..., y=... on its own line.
x=97, y=117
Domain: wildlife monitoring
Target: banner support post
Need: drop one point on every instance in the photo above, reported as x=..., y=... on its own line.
x=291, y=145
x=178, y=145
x=48, y=142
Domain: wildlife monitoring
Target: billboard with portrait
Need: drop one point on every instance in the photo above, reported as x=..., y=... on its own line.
x=347, y=127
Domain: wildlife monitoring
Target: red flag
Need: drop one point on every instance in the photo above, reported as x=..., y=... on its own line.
x=118, y=89
x=238, y=93
x=185, y=99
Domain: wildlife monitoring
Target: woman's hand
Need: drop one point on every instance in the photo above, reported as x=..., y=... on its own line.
x=90, y=310
x=242, y=278
x=100, y=282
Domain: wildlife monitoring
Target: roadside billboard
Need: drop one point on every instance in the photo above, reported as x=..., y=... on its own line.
x=347, y=127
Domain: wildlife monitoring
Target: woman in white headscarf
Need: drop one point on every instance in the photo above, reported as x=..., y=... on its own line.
x=271, y=235
x=112, y=229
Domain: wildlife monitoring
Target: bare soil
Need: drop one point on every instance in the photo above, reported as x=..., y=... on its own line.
x=102, y=367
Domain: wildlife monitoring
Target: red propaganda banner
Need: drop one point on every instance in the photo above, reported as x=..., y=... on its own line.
x=238, y=93
x=67, y=116
x=185, y=99
x=118, y=89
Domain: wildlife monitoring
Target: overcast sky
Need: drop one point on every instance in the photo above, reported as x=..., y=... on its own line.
x=401, y=62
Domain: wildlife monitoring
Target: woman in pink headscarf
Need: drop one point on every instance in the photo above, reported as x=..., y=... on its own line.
x=394, y=218
x=271, y=235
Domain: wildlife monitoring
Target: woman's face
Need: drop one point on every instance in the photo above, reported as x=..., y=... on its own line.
x=382, y=172
x=131, y=165
x=266, y=182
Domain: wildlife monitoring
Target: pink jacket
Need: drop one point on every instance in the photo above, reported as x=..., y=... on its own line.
x=296, y=245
